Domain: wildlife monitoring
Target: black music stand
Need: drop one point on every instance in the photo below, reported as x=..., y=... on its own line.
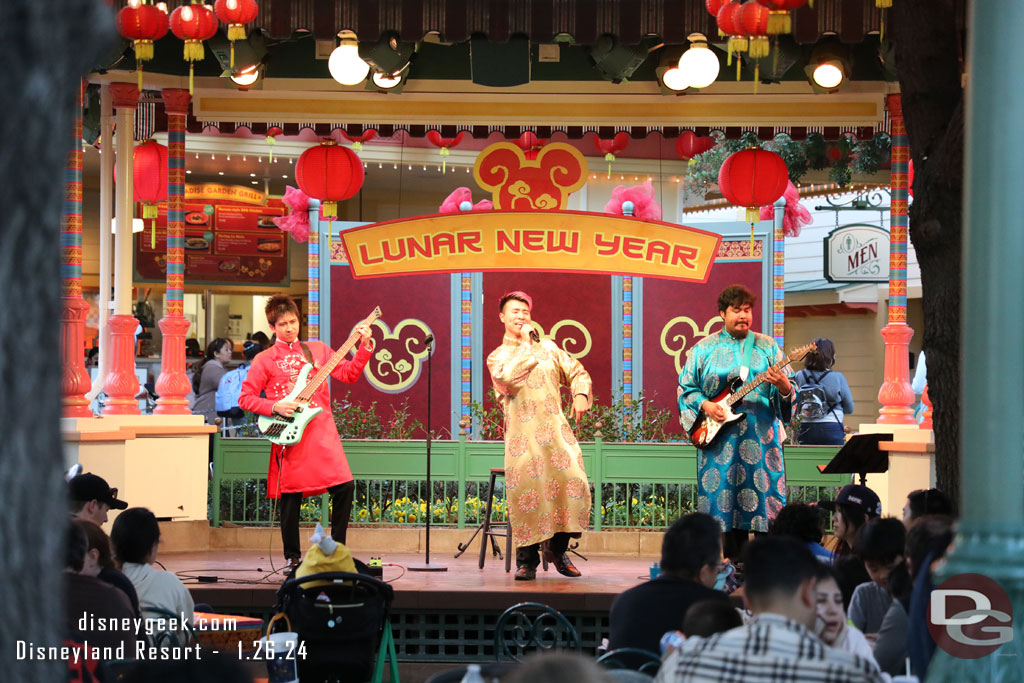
x=860, y=455
x=426, y=566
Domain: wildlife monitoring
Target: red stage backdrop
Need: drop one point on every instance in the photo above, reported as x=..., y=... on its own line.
x=412, y=307
x=576, y=308
x=677, y=315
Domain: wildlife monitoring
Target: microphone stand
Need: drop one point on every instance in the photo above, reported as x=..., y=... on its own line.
x=426, y=566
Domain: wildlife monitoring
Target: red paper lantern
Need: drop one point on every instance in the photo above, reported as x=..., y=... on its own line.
x=358, y=140
x=688, y=145
x=330, y=173
x=149, y=180
x=444, y=143
x=754, y=20
x=236, y=14
x=779, y=20
x=193, y=24
x=142, y=25
x=752, y=178
x=530, y=144
x=713, y=6
x=611, y=147
x=730, y=24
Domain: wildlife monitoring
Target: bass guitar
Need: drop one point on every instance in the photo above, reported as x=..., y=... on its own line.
x=706, y=428
x=287, y=431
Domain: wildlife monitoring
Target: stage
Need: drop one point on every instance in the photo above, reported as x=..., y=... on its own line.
x=437, y=616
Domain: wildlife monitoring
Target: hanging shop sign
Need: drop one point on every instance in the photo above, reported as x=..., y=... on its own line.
x=857, y=253
x=229, y=239
x=551, y=241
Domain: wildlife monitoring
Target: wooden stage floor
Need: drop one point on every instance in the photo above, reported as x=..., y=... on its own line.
x=245, y=581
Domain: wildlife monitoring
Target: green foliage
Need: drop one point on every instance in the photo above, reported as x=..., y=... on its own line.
x=842, y=158
x=356, y=421
x=638, y=421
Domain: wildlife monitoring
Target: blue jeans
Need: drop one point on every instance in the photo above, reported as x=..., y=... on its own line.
x=821, y=433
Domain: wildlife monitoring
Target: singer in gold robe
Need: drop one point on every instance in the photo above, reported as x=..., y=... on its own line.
x=546, y=485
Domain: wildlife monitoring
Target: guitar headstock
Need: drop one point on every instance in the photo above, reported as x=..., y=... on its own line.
x=374, y=315
x=798, y=352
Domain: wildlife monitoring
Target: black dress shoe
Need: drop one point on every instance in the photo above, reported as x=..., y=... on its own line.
x=525, y=573
x=562, y=563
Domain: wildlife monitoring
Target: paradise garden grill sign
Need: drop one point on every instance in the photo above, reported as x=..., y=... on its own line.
x=857, y=253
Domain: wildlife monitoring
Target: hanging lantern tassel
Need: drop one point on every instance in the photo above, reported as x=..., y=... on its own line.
x=753, y=216
x=881, y=23
x=330, y=229
x=330, y=209
x=270, y=143
x=194, y=52
x=609, y=157
x=444, y=159
x=883, y=4
x=779, y=22
x=357, y=147
x=757, y=74
x=150, y=211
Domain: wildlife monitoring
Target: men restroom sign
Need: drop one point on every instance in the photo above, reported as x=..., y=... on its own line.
x=857, y=253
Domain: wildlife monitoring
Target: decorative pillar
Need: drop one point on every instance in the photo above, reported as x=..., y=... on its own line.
x=779, y=275
x=926, y=423
x=74, y=380
x=172, y=386
x=990, y=532
x=627, y=340
x=896, y=394
x=121, y=384
x=313, y=263
x=105, y=242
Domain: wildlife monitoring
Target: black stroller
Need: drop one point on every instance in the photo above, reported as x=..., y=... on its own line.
x=341, y=624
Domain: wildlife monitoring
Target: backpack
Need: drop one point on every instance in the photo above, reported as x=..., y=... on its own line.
x=811, y=399
x=230, y=388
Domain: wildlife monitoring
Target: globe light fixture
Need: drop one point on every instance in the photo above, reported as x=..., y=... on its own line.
x=247, y=76
x=674, y=79
x=828, y=75
x=386, y=81
x=699, y=65
x=345, y=65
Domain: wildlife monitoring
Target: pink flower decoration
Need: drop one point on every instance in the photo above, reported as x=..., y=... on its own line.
x=645, y=207
x=795, y=215
x=454, y=202
x=296, y=222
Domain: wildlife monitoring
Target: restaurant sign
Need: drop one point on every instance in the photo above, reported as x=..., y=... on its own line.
x=857, y=253
x=553, y=241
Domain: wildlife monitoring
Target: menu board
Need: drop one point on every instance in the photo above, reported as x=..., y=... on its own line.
x=224, y=243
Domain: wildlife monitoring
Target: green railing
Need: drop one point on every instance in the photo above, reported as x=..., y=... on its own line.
x=634, y=484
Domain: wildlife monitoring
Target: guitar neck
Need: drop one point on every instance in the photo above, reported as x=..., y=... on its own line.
x=756, y=382
x=321, y=376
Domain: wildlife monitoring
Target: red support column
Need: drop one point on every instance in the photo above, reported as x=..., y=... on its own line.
x=172, y=386
x=896, y=394
x=74, y=380
x=121, y=385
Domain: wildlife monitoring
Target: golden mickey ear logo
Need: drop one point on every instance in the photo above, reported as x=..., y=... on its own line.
x=516, y=182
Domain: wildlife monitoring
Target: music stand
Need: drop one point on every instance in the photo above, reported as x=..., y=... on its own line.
x=426, y=566
x=860, y=455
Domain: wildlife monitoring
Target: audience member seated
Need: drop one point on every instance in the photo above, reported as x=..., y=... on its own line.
x=927, y=541
x=136, y=536
x=879, y=545
x=91, y=498
x=927, y=502
x=777, y=643
x=559, y=667
x=802, y=522
x=691, y=551
x=832, y=626
x=94, y=609
x=99, y=562
x=708, y=617
x=852, y=508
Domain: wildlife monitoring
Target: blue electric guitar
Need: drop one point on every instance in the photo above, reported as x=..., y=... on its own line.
x=286, y=431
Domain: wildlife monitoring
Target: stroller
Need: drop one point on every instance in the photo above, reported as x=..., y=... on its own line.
x=341, y=623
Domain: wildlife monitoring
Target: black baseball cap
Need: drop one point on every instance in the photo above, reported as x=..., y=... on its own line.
x=88, y=486
x=857, y=496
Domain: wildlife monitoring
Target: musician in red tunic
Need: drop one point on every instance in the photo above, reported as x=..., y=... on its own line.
x=317, y=463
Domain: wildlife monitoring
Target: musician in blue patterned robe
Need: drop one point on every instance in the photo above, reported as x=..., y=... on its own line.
x=741, y=478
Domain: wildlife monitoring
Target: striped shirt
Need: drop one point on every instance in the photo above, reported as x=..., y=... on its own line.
x=769, y=648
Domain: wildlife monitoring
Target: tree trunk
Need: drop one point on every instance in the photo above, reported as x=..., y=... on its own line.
x=44, y=49
x=928, y=62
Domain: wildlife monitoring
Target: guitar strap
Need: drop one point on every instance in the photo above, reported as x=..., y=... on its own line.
x=746, y=352
x=307, y=353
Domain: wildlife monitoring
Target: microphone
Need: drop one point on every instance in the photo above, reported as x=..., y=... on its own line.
x=534, y=336
x=428, y=340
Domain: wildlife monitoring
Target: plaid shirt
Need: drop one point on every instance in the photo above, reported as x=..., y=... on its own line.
x=769, y=648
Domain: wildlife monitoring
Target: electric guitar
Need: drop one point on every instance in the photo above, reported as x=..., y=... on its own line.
x=286, y=431
x=706, y=428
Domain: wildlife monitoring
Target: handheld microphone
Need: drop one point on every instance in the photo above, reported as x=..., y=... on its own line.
x=428, y=340
x=534, y=336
